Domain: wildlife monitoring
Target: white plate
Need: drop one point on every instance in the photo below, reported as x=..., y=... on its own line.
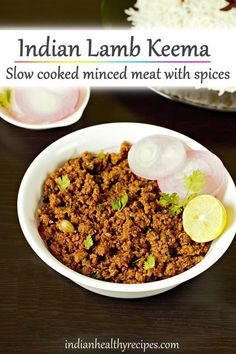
x=108, y=137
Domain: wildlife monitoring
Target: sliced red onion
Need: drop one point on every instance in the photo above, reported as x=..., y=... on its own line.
x=156, y=156
x=44, y=104
x=206, y=162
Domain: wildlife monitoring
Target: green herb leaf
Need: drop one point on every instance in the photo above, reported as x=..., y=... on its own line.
x=116, y=204
x=124, y=200
x=150, y=263
x=137, y=260
x=164, y=200
x=5, y=98
x=175, y=210
x=63, y=182
x=167, y=199
x=88, y=242
x=119, y=204
x=194, y=182
x=192, y=196
x=101, y=155
x=171, y=201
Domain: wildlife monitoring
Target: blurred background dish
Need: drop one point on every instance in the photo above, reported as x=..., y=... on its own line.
x=203, y=98
x=43, y=108
x=113, y=15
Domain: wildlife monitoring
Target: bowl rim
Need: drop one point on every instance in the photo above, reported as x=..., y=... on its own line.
x=70, y=119
x=86, y=281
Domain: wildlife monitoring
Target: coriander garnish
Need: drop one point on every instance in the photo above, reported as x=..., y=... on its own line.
x=167, y=199
x=150, y=262
x=88, y=242
x=119, y=204
x=192, y=184
x=63, y=181
x=101, y=155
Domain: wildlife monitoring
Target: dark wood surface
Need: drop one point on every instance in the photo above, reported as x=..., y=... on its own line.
x=41, y=309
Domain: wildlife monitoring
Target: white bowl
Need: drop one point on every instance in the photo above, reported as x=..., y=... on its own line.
x=108, y=137
x=71, y=119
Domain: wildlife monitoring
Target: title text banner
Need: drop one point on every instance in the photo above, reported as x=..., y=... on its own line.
x=71, y=57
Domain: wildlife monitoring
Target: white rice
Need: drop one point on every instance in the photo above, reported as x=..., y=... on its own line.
x=187, y=14
x=190, y=14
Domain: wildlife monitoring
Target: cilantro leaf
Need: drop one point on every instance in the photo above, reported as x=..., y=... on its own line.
x=88, y=242
x=175, y=210
x=192, y=196
x=119, y=204
x=171, y=201
x=150, y=263
x=116, y=204
x=164, y=200
x=5, y=98
x=194, y=182
x=167, y=199
x=124, y=200
x=63, y=182
x=101, y=155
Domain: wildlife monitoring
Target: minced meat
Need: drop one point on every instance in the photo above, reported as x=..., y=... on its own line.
x=122, y=238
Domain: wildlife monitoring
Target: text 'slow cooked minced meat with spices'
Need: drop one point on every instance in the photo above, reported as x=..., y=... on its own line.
x=101, y=220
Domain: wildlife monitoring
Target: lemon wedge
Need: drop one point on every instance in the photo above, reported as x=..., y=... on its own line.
x=204, y=218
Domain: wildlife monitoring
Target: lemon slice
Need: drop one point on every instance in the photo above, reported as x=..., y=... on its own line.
x=204, y=218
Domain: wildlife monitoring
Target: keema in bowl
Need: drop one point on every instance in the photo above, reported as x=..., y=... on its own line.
x=73, y=145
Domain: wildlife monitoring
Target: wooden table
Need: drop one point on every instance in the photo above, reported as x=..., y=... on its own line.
x=40, y=309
